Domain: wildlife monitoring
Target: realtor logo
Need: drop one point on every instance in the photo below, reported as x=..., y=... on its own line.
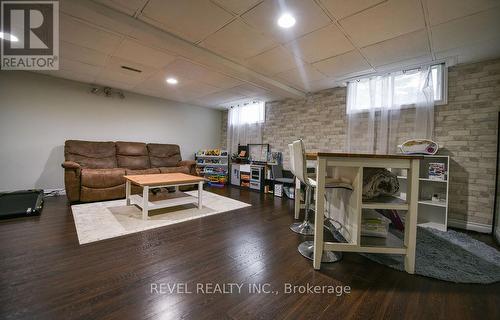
x=29, y=34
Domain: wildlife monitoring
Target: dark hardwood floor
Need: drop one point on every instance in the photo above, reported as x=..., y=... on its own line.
x=46, y=274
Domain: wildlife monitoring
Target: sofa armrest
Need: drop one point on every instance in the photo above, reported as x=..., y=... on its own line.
x=72, y=171
x=70, y=165
x=191, y=164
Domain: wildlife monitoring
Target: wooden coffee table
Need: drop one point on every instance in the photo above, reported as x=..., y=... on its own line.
x=147, y=181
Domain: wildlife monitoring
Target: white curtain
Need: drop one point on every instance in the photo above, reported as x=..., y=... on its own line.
x=384, y=111
x=244, y=124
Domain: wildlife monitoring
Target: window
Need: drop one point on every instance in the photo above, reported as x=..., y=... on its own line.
x=395, y=90
x=248, y=113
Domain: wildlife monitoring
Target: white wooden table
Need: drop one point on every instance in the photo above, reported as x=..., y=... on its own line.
x=147, y=181
x=351, y=166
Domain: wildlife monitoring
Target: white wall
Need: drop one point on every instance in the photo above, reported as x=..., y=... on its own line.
x=38, y=113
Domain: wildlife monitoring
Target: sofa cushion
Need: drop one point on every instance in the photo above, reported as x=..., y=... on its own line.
x=143, y=171
x=91, y=154
x=102, y=178
x=182, y=169
x=132, y=155
x=99, y=194
x=164, y=155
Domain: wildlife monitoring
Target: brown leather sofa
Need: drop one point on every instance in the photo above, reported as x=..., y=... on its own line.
x=93, y=171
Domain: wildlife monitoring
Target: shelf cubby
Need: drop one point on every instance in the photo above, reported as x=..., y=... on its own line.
x=432, y=214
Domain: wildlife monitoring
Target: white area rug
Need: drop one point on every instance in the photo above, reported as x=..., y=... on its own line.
x=103, y=220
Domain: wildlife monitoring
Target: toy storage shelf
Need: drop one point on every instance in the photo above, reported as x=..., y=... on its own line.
x=213, y=165
x=210, y=157
x=432, y=214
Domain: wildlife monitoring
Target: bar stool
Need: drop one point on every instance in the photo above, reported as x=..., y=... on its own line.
x=298, y=168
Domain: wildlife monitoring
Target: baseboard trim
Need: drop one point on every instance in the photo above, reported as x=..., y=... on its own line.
x=497, y=234
x=473, y=226
x=59, y=192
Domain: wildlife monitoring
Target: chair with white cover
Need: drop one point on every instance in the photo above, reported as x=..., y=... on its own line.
x=299, y=169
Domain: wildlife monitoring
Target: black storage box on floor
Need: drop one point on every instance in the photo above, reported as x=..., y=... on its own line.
x=21, y=203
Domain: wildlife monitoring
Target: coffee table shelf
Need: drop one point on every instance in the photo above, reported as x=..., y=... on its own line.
x=160, y=204
x=162, y=180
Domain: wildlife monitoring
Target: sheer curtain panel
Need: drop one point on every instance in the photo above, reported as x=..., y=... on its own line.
x=244, y=124
x=384, y=111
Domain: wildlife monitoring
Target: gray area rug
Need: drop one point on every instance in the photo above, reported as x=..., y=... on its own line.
x=450, y=256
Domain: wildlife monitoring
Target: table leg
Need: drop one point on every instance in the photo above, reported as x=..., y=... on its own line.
x=320, y=212
x=200, y=192
x=145, y=202
x=410, y=240
x=127, y=191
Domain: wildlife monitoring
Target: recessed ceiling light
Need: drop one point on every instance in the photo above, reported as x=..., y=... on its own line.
x=286, y=21
x=8, y=37
x=172, y=81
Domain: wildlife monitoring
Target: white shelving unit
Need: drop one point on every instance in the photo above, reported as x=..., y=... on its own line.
x=213, y=167
x=433, y=214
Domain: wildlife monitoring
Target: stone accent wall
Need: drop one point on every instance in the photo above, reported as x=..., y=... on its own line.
x=223, y=132
x=466, y=127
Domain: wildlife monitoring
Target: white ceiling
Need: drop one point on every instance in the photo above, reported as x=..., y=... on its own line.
x=228, y=50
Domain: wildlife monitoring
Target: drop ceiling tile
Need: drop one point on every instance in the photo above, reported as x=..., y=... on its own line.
x=197, y=89
x=126, y=6
x=323, y=84
x=321, y=44
x=404, y=64
x=110, y=75
x=188, y=91
x=444, y=10
x=341, y=8
x=77, y=53
x=461, y=32
x=247, y=90
x=155, y=83
x=301, y=77
x=192, y=20
x=136, y=52
x=69, y=65
x=176, y=96
x=473, y=52
x=116, y=64
x=186, y=88
x=237, y=6
x=113, y=72
x=112, y=83
x=84, y=35
x=274, y=61
x=69, y=75
x=404, y=47
x=309, y=17
x=218, y=98
x=238, y=41
x=345, y=64
x=186, y=70
x=219, y=80
x=385, y=21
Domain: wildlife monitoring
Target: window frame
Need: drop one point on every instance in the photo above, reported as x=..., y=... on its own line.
x=444, y=89
x=444, y=85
